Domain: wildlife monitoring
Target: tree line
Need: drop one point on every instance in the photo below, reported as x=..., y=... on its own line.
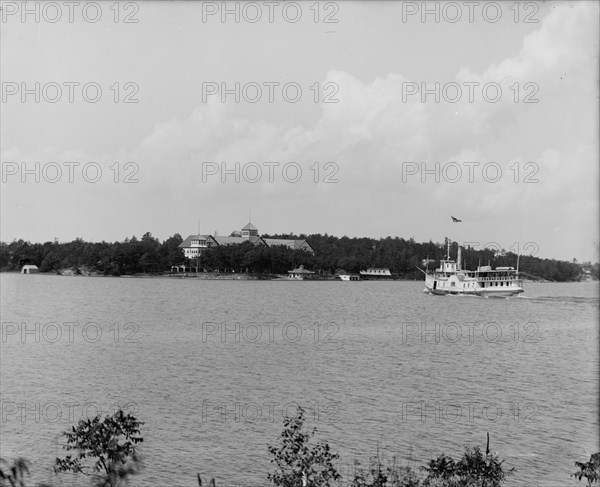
x=132, y=256
x=331, y=254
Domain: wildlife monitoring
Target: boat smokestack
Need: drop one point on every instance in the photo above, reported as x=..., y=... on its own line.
x=459, y=259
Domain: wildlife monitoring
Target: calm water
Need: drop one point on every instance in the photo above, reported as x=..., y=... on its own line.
x=373, y=363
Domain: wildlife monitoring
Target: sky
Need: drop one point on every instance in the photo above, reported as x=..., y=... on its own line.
x=349, y=118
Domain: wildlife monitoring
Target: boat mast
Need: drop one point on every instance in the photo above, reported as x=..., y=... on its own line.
x=448, y=240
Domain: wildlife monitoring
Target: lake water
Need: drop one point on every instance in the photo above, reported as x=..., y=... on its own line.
x=211, y=367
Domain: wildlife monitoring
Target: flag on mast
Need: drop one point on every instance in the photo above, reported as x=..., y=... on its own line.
x=455, y=220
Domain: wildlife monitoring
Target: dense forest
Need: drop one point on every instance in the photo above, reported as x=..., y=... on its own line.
x=331, y=254
x=145, y=255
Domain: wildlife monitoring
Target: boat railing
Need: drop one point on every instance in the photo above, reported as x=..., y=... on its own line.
x=479, y=278
x=518, y=282
x=499, y=278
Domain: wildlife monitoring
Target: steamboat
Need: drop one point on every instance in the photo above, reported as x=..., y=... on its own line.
x=450, y=278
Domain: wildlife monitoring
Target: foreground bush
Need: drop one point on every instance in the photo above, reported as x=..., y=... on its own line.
x=473, y=469
x=301, y=461
x=302, y=464
x=589, y=470
x=111, y=442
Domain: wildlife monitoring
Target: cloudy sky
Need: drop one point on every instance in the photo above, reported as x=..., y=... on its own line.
x=347, y=118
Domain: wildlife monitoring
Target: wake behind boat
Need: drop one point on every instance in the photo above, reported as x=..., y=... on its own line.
x=450, y=278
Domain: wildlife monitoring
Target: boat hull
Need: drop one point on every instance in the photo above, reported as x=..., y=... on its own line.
x=504, y=293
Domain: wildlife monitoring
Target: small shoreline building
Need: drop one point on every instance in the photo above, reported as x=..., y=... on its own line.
x=300, y=273
x=29, y=269
x=376, y=273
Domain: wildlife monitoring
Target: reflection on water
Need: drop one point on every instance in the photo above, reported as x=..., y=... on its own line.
x=212, y=367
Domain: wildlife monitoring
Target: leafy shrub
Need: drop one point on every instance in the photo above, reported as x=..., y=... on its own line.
x=300, y=463
x=473, y=469
x=111, y=442
x=590, y=470
x=14, y=474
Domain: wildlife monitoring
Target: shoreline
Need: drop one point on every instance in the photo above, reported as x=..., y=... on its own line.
x=238, y=277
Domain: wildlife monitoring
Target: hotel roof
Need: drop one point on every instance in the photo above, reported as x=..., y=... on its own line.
x=235, y=240
x=188, y=241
